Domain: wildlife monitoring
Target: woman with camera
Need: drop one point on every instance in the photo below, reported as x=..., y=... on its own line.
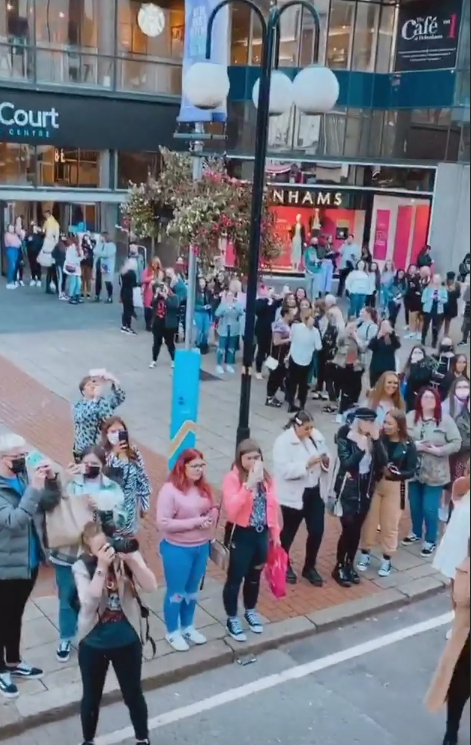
x=109, y=627
x=84, y=481
x=186, y=517
x=251, y=505
x=166, y=314
x=389, y=498
x=93, y=407
x=125, y=465
x=300, y=457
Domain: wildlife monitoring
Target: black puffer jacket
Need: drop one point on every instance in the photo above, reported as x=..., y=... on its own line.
x=419, y=376
x=347, y=483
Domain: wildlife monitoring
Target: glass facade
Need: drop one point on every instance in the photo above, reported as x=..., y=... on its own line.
x=383, y=114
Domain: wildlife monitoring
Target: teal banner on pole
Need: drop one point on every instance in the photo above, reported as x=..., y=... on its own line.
x=185, y=402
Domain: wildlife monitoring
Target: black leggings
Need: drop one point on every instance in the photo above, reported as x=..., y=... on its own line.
x=128, y=311
x=349, y=542
x=249, y=552
x=35, y=267
x=277, y=377
x=297, y=382
x=459, y=691
x=14, y=595
x=313, y=512
x=436, y=321
x=349, y=382
x=263, y=350
x=127, y=664
x=162, y=334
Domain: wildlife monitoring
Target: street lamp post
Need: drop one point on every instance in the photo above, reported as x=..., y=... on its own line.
x=315, y=90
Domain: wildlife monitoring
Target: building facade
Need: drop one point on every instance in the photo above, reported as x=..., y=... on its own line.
x=87, y=97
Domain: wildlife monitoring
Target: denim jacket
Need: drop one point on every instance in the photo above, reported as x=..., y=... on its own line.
x=230, y=317
x=427, y=299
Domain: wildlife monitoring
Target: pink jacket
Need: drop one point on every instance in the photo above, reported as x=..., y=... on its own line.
x=238, y=503
x=148, y=277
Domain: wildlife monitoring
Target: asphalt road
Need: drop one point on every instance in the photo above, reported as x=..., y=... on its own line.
x=363, y=684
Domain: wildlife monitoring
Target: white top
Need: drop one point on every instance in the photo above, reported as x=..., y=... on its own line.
x=358, y=283
x=453, y=549
x=304, y=342
x=73, y=261
x=290, y=458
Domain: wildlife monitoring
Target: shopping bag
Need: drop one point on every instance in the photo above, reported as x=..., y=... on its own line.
x=334, y=506
x=65, y=524
x=275, y=570
x=137, y=299
x=271, y=363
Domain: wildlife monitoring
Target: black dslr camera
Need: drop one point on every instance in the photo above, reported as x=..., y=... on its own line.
x=119, y=544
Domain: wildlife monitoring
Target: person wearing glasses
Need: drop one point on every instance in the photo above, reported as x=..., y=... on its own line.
x=186, y=517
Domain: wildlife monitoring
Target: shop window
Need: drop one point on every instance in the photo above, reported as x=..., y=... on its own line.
x=68, y=167
x=385, y=44
x=290, y=31
x=136, y=167
x=241, y=31
x=306, y=55
x=339, y=44
x=16, y=35
x=137, y=74
x=465, y=148
x=76, y=24
x=357, y=136
x=365, y=38
x=17, y=164
x=168, y=45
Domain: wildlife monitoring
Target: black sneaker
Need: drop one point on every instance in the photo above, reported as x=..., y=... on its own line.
x=110, y=301
x=274, y=403
x=235, y=630
x=63, y=652
x=341, y=576
x=410, y=540
x=7, y=688
x=450, y=740
x=428, y=550
x=291, y=576
x=27, y=672
x=353, y=575
x=313, y=577
x=124, y=330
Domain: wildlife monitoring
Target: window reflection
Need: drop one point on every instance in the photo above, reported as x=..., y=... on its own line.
x=16, y=31
x=69, y=24
x=136, y=167
x=17, y=164
x=365, y=37
x=384, y=56
x=308, y=34
x=289, y=37
x=340, y=33
x=168, y=45
x=241, y=23
x=68, y=167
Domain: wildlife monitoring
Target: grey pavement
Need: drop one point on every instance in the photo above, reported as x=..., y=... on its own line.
x=377, y=698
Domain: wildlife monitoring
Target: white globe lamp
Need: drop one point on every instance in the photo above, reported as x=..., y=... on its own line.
x=206, y=85
x=316, y=90
x=281, y=93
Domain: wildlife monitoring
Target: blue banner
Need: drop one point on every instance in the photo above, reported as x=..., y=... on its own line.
x=197, y=14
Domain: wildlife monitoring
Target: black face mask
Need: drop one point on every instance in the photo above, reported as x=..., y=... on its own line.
x=93, y=472
x=446, y=348
x=18, y=466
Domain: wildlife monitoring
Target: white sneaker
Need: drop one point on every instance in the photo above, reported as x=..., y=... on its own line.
x=339, y=419
x=406, y=328
x=444, y=514
x=21, y=283
x=32, y=283
x=364, y=562
x=192, y=635
x=11, y=286
x=177, y=642
x=153, y=365
x=258, y=376
x=386, y=568
x=418, y=336
x=230, y=369
x=38, y=283
x=411, y=335
x=219, y=370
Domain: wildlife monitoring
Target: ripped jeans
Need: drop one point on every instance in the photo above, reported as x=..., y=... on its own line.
x=249, y=553
x=184, y=569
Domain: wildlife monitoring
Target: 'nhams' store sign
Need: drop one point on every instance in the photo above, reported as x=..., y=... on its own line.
x=428, y=35
x=305, y=198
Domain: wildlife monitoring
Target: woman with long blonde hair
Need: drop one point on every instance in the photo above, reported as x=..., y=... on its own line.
x=386, y=396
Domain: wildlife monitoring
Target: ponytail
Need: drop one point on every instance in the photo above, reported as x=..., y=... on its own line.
x=302, y=417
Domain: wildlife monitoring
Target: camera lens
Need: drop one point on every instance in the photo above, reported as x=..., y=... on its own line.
x=125, y=545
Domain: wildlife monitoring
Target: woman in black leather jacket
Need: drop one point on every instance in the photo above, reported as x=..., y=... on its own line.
x=389, y=498
x=362, y=459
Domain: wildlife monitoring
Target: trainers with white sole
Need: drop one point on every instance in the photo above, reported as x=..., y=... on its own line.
x=177, y=642
x=385, y=568
x=253, y=619
x=235, y=630
x=7, y=688
x=410, y=540
x=364, y=562
x=194, y=636
x=219, y=370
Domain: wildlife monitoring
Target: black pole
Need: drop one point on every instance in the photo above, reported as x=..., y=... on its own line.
x=270, y=32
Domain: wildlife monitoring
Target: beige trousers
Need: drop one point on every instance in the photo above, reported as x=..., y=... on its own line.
x=415, y=321
x=386, y=511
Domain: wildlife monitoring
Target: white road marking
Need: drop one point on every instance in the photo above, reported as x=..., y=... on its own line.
x=272, y=681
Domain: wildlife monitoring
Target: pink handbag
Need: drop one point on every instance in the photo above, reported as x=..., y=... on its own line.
x=275, y=570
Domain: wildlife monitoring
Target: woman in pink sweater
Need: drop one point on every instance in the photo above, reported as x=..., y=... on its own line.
x=186, y=517
x=252, y=507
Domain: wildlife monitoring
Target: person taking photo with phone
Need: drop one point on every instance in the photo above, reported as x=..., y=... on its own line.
x=166, y=311
x=23, y=507
x=109, y=623
x=250, y=503
x=301, y=458
x=389, y=498
x=84, y=482
x=125, y=465
x=94, y=406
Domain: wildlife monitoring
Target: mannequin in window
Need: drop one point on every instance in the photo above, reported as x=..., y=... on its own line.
x=298, y=241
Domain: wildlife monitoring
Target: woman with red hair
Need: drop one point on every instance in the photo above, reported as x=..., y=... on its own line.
x=186, y=517
x=437, y=438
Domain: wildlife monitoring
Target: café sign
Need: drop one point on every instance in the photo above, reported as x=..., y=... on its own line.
x=305, y=198
x=27, y=124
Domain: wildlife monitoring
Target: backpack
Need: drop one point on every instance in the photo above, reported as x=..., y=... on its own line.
x=90, y=563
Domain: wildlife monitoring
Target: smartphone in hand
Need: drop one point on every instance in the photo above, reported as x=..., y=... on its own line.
x=35, y=459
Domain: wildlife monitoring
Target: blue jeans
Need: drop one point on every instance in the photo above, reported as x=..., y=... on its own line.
x=357, y=303
x=67, y=616
x=227, y=349
x=13, y=256
x=203, y=325
x=75, y=285
x=424, y=507
x=184, y=569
